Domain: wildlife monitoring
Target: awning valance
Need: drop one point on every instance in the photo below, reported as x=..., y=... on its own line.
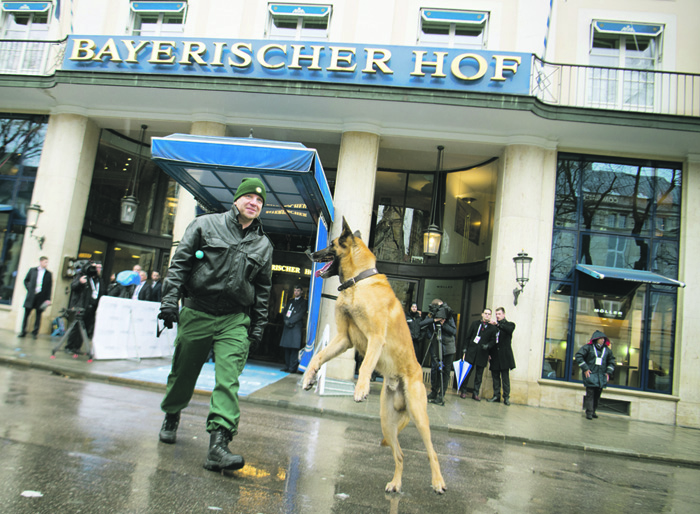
x=629, y=275
x=211, y=168
x=641, y=29
x=312, y=11
x=26, y=6
x=144, y=7
x=459, y=17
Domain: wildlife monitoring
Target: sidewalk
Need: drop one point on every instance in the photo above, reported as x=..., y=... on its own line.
x=515, y=424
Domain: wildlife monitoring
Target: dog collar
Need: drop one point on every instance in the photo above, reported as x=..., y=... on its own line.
x=365, y=274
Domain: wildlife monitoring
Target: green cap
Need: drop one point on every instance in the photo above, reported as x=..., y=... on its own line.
x=251, y=185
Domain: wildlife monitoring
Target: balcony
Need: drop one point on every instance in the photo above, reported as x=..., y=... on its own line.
x=616, y=89
x=566, y=85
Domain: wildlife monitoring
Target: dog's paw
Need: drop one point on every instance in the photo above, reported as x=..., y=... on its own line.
x=308, y=380
x=393, y=487
x=439, y=486
x=361, y=392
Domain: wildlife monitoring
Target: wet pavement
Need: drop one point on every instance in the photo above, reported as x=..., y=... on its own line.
x=611, y=434
x=81, y=446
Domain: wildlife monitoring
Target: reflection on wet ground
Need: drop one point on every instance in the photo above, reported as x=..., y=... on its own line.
x=93, y=447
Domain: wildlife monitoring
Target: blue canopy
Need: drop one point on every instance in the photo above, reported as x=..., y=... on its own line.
x=211, y=168
x=629, y=275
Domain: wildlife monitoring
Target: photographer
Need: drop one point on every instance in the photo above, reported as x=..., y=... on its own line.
x=86, y=290
x=441, y=330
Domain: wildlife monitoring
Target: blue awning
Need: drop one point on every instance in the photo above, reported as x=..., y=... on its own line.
x=311, y=11
x=629, y=275
x=211, y=168
x=25, y=6
x=158, y=6
x=458, y=17
x=641, y=29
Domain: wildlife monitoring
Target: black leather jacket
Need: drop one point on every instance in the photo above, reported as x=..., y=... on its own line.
x=233, y=275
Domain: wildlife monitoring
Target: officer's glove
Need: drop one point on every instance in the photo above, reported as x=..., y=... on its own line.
x=254, y=342
x=169, y=315
x=484, y=347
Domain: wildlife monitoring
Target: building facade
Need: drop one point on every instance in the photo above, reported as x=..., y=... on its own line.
x=566, y=130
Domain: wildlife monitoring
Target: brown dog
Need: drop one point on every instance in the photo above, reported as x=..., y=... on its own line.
x=370, y=319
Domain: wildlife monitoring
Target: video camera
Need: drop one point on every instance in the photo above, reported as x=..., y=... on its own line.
x=86, y=267
x=442, y=311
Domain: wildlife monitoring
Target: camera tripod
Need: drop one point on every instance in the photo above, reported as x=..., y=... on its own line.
x=86, y=343
x=438, y=369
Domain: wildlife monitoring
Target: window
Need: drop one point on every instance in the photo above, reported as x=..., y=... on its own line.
x=21, y=142
x=636, y=47
x=624, y=214
x=292, y=21
x=158, y=18
x=24, y=22
x=459, y=29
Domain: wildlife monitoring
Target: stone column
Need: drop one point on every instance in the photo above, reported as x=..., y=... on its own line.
x=353, y=199
x=523, y=221
x=61, y=189
x=686, y=377
x=186, y=204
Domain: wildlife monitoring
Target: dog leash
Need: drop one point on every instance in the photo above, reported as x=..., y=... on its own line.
x=365, y=274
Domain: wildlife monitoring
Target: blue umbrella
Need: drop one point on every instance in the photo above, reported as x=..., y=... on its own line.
x=128, y=278
x=461, y=371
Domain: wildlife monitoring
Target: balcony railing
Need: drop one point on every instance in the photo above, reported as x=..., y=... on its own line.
x=570, y=85
x=619, y=89
x=30, y=57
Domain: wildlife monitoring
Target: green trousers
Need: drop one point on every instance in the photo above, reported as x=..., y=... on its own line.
x=197, y=333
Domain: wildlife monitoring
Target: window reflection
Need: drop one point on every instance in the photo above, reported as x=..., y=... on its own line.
x=557, y=331
x=661, y=342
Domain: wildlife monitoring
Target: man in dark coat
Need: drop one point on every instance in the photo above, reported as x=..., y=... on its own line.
x=156, y=287
x=597, y=362
x=141, y=291
x=481, y=336
x=294, y=317
x=502, y=359
x=38, y=284
x=86, y=291
x=413, y=318
x=441, y=330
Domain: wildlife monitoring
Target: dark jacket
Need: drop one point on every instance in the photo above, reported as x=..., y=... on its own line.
x=233, y=275
x=501, y=353
x=156, y=291
x=413, y=320
x=144, y=292
x=294, y=315
x=448, y=331
x=33, y=299
x=478, y=353
x=586, y=360
x=82, y=297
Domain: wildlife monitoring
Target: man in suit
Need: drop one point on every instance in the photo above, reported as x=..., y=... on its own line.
x=294, y=317
x=156, y=287
x=481, y=336
x=142, y=291
x=501, y=357
x=38, y=283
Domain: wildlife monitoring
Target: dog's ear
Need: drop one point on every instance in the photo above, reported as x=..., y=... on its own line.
x=345, y=234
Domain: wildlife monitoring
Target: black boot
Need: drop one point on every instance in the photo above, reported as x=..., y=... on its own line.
x=495, y=398
x=168, y=431
x=219, y=456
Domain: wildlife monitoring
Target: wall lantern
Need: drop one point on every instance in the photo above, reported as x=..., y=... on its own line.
x=522, y=273
x=129, y=202
x=33, y=212
x=432, y=236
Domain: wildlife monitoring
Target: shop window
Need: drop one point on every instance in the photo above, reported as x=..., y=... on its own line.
x=636, y=47
x=23, y=23
x=158, y=18
x=605, y=210
x=402, y=210
x=470, y=197
x=297, y=21
x=21, y=141
x=116, y=163
x=459, y=29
